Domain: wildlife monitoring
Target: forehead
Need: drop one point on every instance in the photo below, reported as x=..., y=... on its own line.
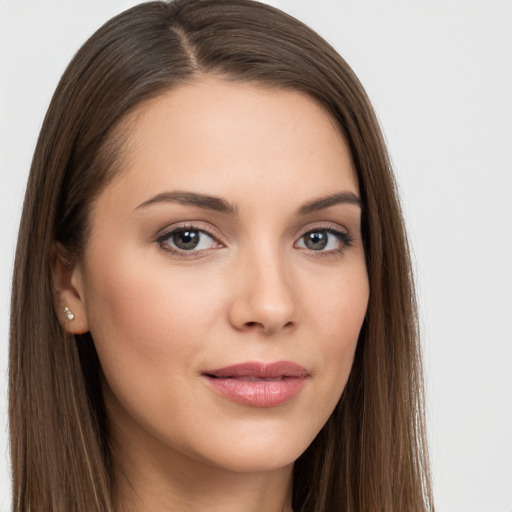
x=227, y=138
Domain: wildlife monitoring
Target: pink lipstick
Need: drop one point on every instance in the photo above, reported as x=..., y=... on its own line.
x=258, y=384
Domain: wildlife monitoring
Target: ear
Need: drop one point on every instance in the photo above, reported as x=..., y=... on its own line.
x=68, y=291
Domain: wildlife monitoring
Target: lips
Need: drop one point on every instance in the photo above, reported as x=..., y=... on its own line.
x=258, y=384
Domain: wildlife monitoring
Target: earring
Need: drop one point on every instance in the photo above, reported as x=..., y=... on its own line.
x=68, y=314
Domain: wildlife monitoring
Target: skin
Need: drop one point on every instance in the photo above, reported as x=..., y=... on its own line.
x=253, y=291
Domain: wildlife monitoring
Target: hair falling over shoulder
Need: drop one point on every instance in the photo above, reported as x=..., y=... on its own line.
x=372, y=454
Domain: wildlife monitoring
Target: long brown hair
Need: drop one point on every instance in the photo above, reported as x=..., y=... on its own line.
x=372, y=454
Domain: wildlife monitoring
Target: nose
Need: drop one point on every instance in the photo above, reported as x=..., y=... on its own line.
x=263, y=298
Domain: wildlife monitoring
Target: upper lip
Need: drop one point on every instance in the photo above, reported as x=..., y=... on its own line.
x=260, y=370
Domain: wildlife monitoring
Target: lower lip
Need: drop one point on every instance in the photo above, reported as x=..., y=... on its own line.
x=258, y=393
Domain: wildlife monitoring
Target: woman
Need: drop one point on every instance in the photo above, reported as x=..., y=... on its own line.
x=212, y=302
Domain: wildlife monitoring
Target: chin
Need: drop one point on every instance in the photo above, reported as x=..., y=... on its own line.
x=254, y=460
x=264, y=449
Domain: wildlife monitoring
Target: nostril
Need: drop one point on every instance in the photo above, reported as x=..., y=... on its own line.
x=259, y=325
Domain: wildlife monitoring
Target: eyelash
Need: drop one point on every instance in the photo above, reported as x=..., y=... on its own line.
x=162, y=240
x=344, y=238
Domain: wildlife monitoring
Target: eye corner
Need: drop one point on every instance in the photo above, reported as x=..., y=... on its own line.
x=197, y=242
x=330, y=240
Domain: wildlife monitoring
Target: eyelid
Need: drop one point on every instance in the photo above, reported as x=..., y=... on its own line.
x=326, y=226
x=168, y=232
x=344, y=235
x=189, y=224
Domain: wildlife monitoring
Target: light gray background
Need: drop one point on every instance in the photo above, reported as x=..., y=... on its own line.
x=440, y=75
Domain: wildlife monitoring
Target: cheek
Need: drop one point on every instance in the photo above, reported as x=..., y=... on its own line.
x=150, y=331
x=144, y=323
x=339, y=315
x=340, y=307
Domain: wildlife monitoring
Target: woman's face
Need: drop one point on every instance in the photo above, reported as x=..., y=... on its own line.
x=224, y=279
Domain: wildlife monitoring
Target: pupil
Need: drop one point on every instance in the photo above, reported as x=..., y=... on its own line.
x=316, y=240
x=186, y=239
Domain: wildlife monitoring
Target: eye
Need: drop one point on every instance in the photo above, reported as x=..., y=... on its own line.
x=187, y=239
x=325, y=240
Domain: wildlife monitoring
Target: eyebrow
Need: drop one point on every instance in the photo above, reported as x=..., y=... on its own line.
x=192, y=199
x=218, y=204
x=330, y=200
